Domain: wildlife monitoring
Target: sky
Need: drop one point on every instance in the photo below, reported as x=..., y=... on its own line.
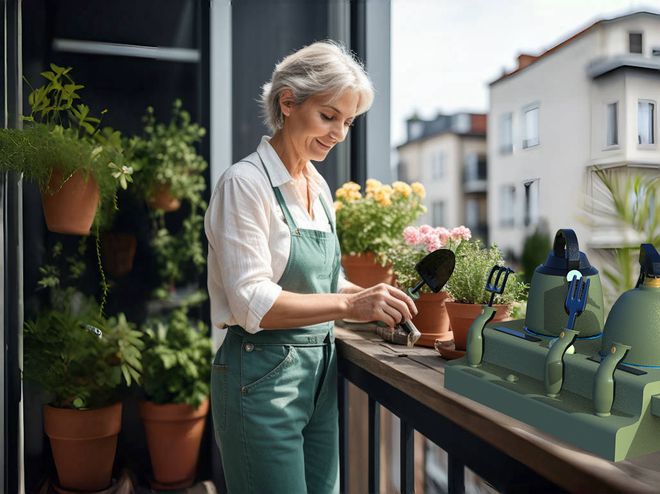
x=446, y=52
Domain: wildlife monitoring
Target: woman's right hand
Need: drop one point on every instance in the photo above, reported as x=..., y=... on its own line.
x=382, y=302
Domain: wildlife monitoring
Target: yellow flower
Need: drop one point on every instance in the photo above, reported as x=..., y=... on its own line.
x=353, y=195
x=338, y=205
x=384, y=201
x=351, y=186
x=340, y=193
x=402, y=188
x=418, y=189
x=373, y=185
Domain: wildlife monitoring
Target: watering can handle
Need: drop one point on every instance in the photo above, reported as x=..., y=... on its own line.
x=566, y=246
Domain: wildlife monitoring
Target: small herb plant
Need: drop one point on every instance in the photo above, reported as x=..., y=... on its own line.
x=374, y=222
x=177, y=360
x=473, y=264
x=77, y=355
x=60, y=132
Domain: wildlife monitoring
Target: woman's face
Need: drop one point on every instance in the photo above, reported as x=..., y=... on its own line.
x=317, y=124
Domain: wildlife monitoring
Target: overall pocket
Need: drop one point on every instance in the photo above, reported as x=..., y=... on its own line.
x=261, y=363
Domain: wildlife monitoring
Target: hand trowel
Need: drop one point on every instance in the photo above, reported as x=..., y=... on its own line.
x=434, y=270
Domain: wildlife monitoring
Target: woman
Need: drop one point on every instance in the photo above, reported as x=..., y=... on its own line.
x=275, y=283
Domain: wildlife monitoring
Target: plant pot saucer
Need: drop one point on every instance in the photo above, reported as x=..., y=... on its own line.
x=447, y=349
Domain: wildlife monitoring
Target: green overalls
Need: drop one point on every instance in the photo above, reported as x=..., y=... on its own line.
x=274, y=393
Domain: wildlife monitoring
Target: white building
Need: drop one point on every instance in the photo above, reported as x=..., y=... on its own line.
x=448, y=155
x=589, y=101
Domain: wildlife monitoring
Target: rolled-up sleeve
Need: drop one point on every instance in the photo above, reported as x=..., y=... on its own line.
x=237, y=227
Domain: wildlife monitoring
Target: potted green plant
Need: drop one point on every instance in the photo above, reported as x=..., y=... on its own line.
x=80, y=359
x=431, y=319
x=369, y=225
x=63, y=149
x=467, y=288
x=168, y=168
x=177, y=362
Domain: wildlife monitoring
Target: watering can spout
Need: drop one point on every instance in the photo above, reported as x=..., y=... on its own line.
x=604, y=380
x=554, y=362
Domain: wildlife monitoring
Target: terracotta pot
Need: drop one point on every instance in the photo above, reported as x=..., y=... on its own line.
x=84, y=443
x=162, y=199
x=70, y=207
x=364, y=271
x=118, y=251
x=432, y=319
x=462, y=315
x=174, y=433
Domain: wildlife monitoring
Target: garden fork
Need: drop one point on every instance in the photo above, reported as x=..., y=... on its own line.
x=497, y=287
x=576, y=299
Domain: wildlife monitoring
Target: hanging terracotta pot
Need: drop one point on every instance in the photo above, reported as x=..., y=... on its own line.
x=84, y=443
x=161, y=198
x=364, y=271
x=432, y=319
x=462, y=315
x=174, y=433
x=70, y=203
x=118, y=252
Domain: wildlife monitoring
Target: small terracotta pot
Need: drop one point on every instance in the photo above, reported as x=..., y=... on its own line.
x=84, y=443
x=364, y=271
x=462, y=315
x=174, y=433
x=432, y=319
x=70, y=206
x=161, y=198
x=118, y=251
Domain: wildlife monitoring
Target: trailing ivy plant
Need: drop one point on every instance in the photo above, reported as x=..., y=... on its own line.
x=177, y=360
x=77, y=355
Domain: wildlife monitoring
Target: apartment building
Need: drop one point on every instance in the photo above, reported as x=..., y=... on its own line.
x=448, y=155
x=590, y=101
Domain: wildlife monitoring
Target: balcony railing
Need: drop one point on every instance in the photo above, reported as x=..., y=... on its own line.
x=508, y=454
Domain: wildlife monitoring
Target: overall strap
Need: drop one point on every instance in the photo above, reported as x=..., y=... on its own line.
x=327, y=213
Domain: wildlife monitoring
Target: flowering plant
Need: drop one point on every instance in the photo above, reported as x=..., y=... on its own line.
x=473, y=265
x=374, y=222
x=417, y=243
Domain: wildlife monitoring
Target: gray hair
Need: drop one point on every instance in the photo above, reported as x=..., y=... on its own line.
x=324, y=67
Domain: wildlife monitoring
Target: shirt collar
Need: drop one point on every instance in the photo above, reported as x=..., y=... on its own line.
x=279, y=175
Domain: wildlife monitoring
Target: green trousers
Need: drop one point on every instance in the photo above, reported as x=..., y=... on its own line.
x=274, y=397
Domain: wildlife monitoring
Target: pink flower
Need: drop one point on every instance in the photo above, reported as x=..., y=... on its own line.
x=411, y=235
x=431, y=241
x=424, y=229
x=461, y=233
x=443, y=234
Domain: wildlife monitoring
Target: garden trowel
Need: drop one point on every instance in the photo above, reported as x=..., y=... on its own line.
x=435, y=269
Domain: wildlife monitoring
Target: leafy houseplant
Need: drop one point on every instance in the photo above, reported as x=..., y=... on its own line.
x=63, y=149
x=432, y=319
x=80, y=359
x=467, y=288
x=177, y=367
x=369, y=225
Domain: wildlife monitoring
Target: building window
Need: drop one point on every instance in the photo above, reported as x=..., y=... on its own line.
x=472, y=219
x=438, y=165
x=507, y=205
x=506, y=133
x=635, y=42
x=438, y=213
x=531, y=126
x=531, y=202
x=645, y=122
x=612, y=124
x=475, y=167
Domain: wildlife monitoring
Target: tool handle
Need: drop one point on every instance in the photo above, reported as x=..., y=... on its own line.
x=411, y=329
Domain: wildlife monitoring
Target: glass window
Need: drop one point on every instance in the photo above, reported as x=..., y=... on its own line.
x=531, y=202
x=507, y=205
x=635, y=42
x=613, y=124
x=646, y=122
x=531, y=122
x=438, y=165
x=506, y=133
x=438, y=213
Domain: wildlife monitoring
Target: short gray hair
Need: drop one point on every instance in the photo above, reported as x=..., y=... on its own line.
x=324, y=67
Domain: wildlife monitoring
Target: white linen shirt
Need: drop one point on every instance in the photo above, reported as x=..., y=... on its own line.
x=249, y=241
